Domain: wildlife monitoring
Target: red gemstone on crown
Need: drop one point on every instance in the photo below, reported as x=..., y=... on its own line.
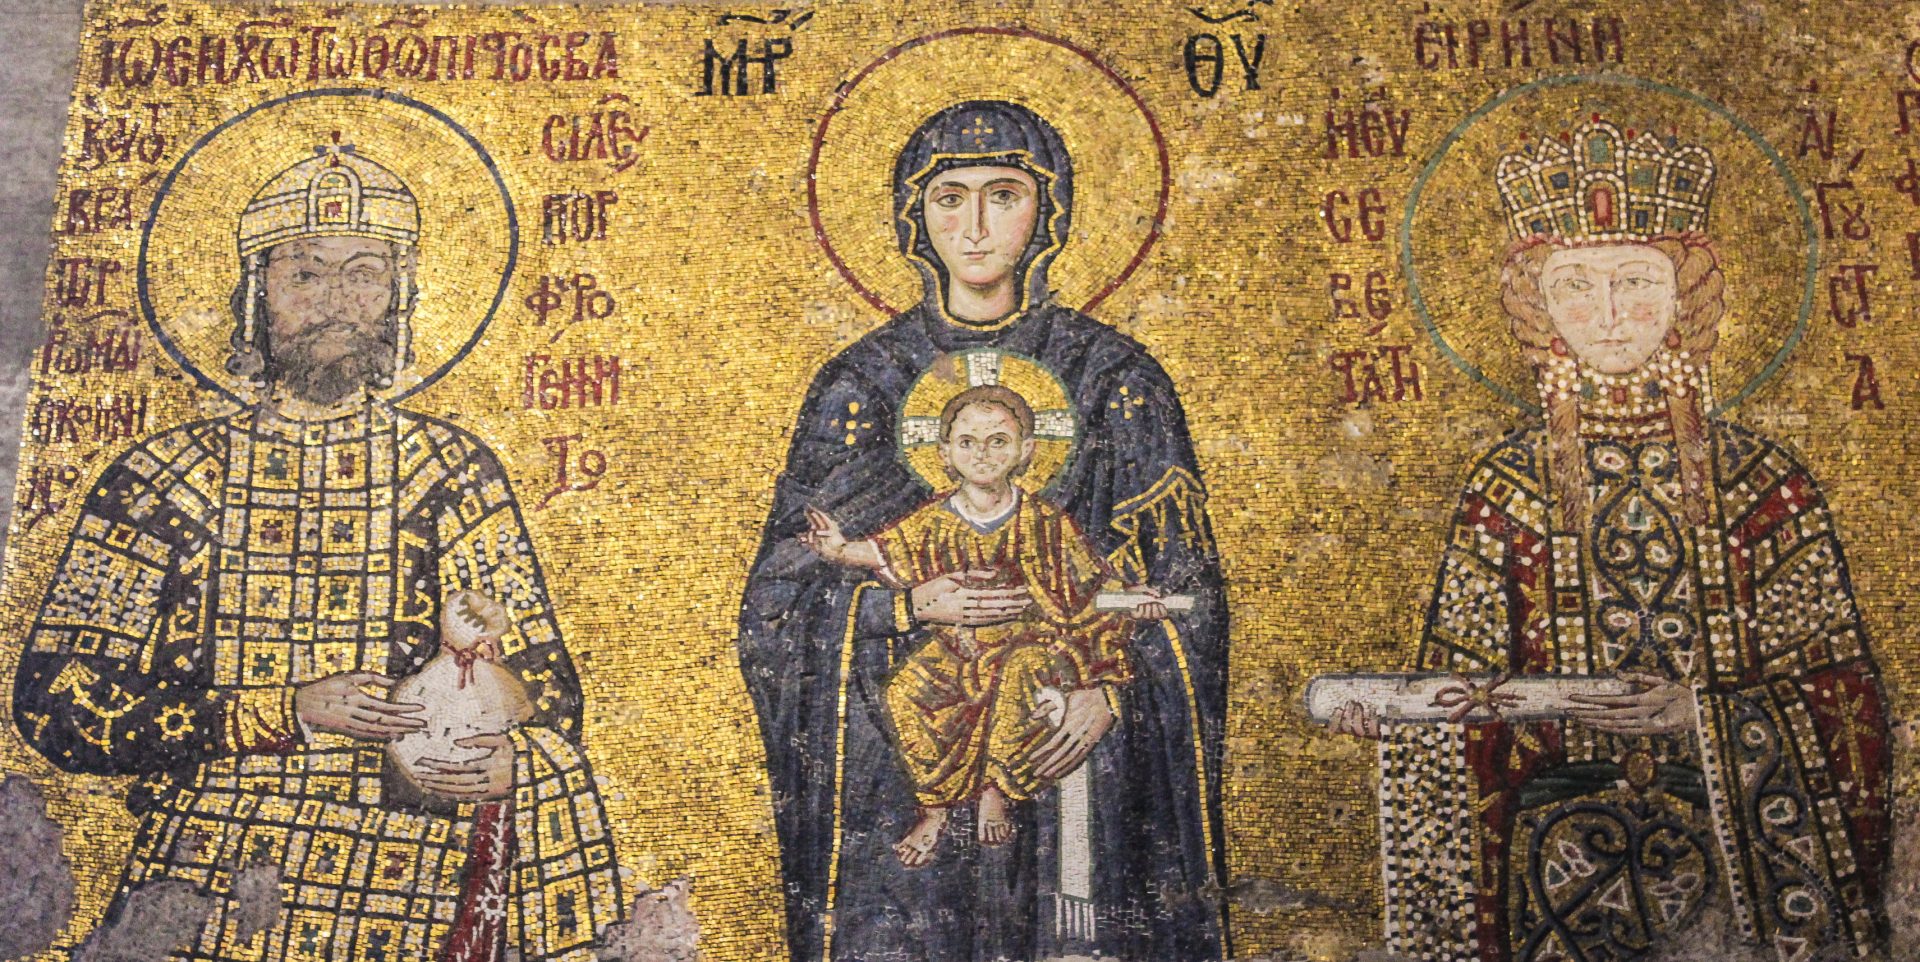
x=1602, y=204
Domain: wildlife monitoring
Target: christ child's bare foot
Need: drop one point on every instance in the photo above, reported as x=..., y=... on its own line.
x=916, y=848
x=995, y=827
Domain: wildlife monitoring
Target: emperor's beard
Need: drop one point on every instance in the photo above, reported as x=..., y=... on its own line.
x=366, y=361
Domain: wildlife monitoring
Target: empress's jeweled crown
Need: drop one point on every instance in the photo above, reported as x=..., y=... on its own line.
x=336, y=192
x=1596, y=183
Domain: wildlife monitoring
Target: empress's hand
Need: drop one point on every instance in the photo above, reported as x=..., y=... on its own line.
x=1661, y=707
x=1088, y=719
x=336, y=704
x=482, y=779
x=948, y=600
x=824, y=536
x=1356, y=719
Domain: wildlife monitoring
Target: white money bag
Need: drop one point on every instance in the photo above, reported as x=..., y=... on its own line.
x=464, y=688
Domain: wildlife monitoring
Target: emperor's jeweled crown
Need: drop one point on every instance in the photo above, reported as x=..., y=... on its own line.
x=1596, y=183
x=335, y=192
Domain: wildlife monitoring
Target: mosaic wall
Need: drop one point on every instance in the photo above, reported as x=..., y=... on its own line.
x=884, y=481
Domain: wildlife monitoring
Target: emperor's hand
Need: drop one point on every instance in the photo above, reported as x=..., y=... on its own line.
x=488, y=777
x=338, y=704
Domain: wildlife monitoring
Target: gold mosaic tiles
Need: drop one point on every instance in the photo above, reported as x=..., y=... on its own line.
x=650, y=389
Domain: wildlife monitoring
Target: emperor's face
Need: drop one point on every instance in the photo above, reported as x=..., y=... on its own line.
x=985, y=445
x=979, y=220
x=329, y=304
x=1612, y=304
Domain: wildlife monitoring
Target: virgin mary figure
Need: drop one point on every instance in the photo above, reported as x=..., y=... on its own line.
x=983, y=196
x=1743, y=772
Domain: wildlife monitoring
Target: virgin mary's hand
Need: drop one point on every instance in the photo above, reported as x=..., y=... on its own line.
x=485, y=778
x=953, y=600
x=1089, y=717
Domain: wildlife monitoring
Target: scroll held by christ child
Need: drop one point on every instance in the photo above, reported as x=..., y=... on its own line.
x=1434, y=697
x=1129, y=600
x=465, y=689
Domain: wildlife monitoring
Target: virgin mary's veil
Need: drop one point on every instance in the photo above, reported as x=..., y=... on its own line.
x=985, y=133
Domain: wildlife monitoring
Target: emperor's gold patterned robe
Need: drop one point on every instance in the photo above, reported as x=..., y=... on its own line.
x=216, y=567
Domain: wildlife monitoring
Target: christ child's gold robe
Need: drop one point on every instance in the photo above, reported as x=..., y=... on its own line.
x=964, y=706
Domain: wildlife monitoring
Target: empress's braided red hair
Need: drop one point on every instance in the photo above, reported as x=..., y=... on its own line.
x=1699, y=306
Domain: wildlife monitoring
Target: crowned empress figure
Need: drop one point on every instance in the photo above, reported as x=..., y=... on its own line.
x=237, y=592
x=982, y=201
x=1742, y=776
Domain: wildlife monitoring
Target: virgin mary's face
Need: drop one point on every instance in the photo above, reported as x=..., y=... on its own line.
x=980, y=220
x=1612, y=304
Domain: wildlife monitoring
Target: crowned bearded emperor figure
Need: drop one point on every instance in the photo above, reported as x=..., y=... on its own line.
x=1658, y=704
x=238, y=593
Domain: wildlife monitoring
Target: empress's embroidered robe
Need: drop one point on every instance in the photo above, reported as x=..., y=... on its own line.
x=218, y=566
x=1545, y=840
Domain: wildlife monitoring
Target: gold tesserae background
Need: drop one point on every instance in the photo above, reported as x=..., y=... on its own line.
x=720, y=302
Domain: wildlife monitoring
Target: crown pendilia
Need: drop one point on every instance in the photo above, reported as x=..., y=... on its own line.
x=1596, y=183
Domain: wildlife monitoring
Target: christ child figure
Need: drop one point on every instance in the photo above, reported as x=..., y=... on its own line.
x=972, y=707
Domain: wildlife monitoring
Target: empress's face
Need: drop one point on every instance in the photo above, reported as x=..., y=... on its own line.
x=1613, y=304
x=985, y=445
x=329, y=300
x=979, y=220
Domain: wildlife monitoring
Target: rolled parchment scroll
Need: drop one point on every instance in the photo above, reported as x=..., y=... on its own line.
x=1434, y=697
x=1129, y=600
